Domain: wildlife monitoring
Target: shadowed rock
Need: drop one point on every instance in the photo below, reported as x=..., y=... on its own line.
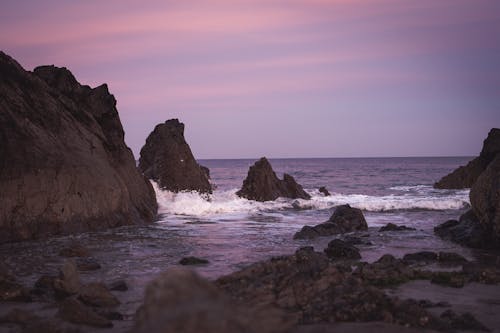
x=64, y=165
x=192, y=261
x=76, y=312
x=167, y=159
x=262, y=184
x=338, y=249
x=324, y=191
x=394, y=227
x=466, y=176
x=344, y=219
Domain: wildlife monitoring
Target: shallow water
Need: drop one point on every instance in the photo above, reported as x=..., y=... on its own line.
x=232, y=232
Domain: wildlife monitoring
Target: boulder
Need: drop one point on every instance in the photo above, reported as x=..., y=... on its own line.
x=192, y=261
x=324, y=191
x=338, y=249
x=97, y=294
x=394, y=227
x=181, y=301
x=64, y=165
x=118, y=285
x=262, y=184
x=76, y=312
x=68, y=283
x=344, y=219
x=466, y=176
x=167, y=159
x=11, y=290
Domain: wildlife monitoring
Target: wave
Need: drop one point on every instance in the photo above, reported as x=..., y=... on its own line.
x=226, y=202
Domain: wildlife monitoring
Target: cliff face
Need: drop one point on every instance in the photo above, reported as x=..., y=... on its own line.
x=466, y=176
x=64, y=166
x=167, y=159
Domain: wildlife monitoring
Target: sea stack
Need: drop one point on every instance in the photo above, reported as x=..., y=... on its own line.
x=262, y=184
x=64, y=165
x=466, y=176
x=167, y=159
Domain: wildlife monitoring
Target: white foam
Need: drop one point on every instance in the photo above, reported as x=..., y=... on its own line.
x=227, y=202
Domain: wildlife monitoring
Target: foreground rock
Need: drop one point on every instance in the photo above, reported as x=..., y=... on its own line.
x=181, y=301
x=76, y=312
x=466, y=176
x=167, y=159
x=338, y=249
x=262, y=184
x=64, y=165
x=344, y=219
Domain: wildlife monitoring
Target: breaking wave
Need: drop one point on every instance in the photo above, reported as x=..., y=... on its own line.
x=226, y=202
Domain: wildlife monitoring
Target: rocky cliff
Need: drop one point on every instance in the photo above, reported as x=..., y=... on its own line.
x=262, y=184
x=466, y=176
x=167, y=159
x=64, y=165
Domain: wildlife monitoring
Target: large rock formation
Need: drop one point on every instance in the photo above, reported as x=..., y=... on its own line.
x=262, y=184
x=64, y=166
x=344, y=219
x=167, y=159
x=466, y=176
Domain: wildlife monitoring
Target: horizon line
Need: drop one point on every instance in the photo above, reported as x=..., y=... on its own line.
x=334, y=157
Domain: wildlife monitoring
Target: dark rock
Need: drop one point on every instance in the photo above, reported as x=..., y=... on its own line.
x=111, y=315
x=344, y=219
x=353, y=240
x=467, y=231
x=449, y=279
x=97, y=294
x=387, y=271
x=167, y=159
x=325, y=192
x=394, y=227
x=74, y=250
x=181, y=301
x=262, y=184
x=44, y=287
x=463, y=322
x=482, y=273
x=451, y=258
x=339, y=249
x=426, y=256
x=76, y=312
x=64, y=166
x=466, y=176
x=11, y=290
x=192, y=261
x=33, y=323
x=118, y=285
x=87, y=264
x=205, y=170
x=68, y=282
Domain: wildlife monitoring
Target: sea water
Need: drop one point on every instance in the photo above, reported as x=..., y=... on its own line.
x=233, y=232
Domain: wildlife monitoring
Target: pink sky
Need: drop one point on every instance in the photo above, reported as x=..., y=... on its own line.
x=294, y=78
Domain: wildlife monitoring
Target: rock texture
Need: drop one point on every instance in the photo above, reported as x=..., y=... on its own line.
x=344, y=219
x=466, y=176
x=64, y=165
x=181, y=301
x=262, y=184
x=167, y=159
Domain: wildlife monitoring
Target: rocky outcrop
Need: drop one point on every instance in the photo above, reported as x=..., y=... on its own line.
x=466, y=176
x=167, y=159
x=262, y=184
x=181, y=301
x=394, y=227
x=64, y=165
x=344, y=219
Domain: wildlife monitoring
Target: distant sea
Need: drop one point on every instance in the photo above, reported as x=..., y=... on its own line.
x=232, y=232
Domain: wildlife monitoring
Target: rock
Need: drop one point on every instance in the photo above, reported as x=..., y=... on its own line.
x=97, y=294
x=338, y=249
x=394, y=227
x=325, y=192
x=33, y=323
x=387, y=271
x=466, y=176
x=87, y=264
x=205, y=170
x=181, y=301
x=262, y=184
x=463, y=322
x=482, y=273
x=451, y=258
x=192, y=261
x=449, y=279
x=68, y=282
x=167, y=159
x=467, y=231
x=74, y=250
x=64, y=166
x=76, y=312
x=344, y=219
x=111, y=315
x=118, y=285
x=426, y=256
x=11, y=290
x=44, y=287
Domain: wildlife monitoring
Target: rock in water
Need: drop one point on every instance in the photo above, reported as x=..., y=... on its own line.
x=466, y=176
x=167, y=159
x=262, y=184
x=64, y=165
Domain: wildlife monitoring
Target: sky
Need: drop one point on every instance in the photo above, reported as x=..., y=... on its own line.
x=295, y=78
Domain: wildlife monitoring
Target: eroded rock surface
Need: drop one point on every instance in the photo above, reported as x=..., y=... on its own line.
x=167, y=159
x=64, y=165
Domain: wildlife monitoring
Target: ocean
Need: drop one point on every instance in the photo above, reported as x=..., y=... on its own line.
x=232, y=232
